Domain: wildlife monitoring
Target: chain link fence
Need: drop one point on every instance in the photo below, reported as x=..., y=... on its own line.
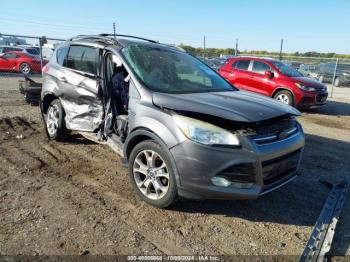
x=22, y=59
x=334, y=72
x=22, y=56
x=27, y=55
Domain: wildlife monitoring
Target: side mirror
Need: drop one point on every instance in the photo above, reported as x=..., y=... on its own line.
x=268, y=74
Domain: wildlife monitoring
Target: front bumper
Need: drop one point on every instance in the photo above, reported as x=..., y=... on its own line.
x=313, y=99
x=266, y=166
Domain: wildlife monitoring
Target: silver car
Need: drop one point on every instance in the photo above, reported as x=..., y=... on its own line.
x=181, y=128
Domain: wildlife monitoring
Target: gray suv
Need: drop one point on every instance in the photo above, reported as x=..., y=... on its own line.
x=182, y=130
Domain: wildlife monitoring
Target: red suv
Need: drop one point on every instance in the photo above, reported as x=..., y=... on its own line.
x=275, y=79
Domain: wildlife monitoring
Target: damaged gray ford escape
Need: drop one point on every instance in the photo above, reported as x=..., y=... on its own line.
x=179, y=126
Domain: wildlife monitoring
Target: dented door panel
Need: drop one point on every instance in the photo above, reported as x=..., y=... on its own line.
x=81, y=102
x=80, y=98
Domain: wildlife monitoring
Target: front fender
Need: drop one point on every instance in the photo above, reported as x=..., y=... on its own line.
x=164, y=128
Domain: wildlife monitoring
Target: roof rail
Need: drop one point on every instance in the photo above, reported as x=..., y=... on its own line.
x=128, y=36
x=94, y=37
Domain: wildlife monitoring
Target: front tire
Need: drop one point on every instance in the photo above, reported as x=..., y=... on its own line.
x=285, y=97
x=55, y=124
x=152, y=174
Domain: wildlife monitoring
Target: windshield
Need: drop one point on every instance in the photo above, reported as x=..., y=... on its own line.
x=286, y=70
x=171, y=71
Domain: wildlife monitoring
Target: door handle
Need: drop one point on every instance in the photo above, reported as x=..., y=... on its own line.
x=82, y=85
x=63, y=79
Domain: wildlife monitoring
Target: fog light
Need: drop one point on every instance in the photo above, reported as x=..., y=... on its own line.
x=242, y=185
x=220, y=181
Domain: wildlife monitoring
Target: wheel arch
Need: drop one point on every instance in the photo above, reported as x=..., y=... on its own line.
x=283, y=88
x=137, y=136
x=142, y=134
x=46, y=101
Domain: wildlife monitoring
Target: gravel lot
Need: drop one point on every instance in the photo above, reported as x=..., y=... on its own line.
x=75, y=197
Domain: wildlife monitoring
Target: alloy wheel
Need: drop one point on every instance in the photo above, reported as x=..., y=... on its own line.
x=151, y=174
x=53, y=115
x=25, y=68
x=283, y=98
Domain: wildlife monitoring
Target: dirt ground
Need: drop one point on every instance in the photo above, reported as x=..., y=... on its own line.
x=75, y=197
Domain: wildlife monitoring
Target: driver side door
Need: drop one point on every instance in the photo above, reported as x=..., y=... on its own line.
x=8, y=61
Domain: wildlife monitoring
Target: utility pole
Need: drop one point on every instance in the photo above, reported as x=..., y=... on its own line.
x=334, y=75
x=204, y=47
x=41, y=54
x=114, y=29
x=281, y=49
x=236, y=49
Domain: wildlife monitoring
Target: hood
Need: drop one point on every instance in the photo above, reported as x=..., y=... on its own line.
x=307, y=81
x=238, y=106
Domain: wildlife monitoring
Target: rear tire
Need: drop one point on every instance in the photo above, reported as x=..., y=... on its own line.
x=24, y=68
x=152, y=174
x=285, y=97
x=55, y=123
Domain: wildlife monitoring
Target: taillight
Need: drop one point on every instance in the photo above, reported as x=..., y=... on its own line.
x=45, y=68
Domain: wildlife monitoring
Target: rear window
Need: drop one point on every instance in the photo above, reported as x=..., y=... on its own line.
x=10, y=55
x=241, y=64
x=82, y=58
x=10, y=49
x=61, y=55
x=33, y=51
x=260, y=67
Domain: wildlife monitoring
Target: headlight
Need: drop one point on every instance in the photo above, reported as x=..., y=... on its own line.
x=203, y=132
x=306, y=88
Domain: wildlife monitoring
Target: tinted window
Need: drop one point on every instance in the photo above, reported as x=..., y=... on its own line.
x=82, y=58
x=9, y=49
x=260, y=67
x=61, y=55
x=242, y=64
x=10, y=56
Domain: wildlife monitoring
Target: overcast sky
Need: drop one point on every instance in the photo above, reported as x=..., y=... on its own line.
x=312, y=25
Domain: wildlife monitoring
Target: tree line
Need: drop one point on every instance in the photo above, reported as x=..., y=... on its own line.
x=216, y=52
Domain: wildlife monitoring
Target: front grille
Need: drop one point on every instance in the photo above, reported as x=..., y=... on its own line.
x=280, y=167
x=308, y=100
x=275, y=132
x=321, y=98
